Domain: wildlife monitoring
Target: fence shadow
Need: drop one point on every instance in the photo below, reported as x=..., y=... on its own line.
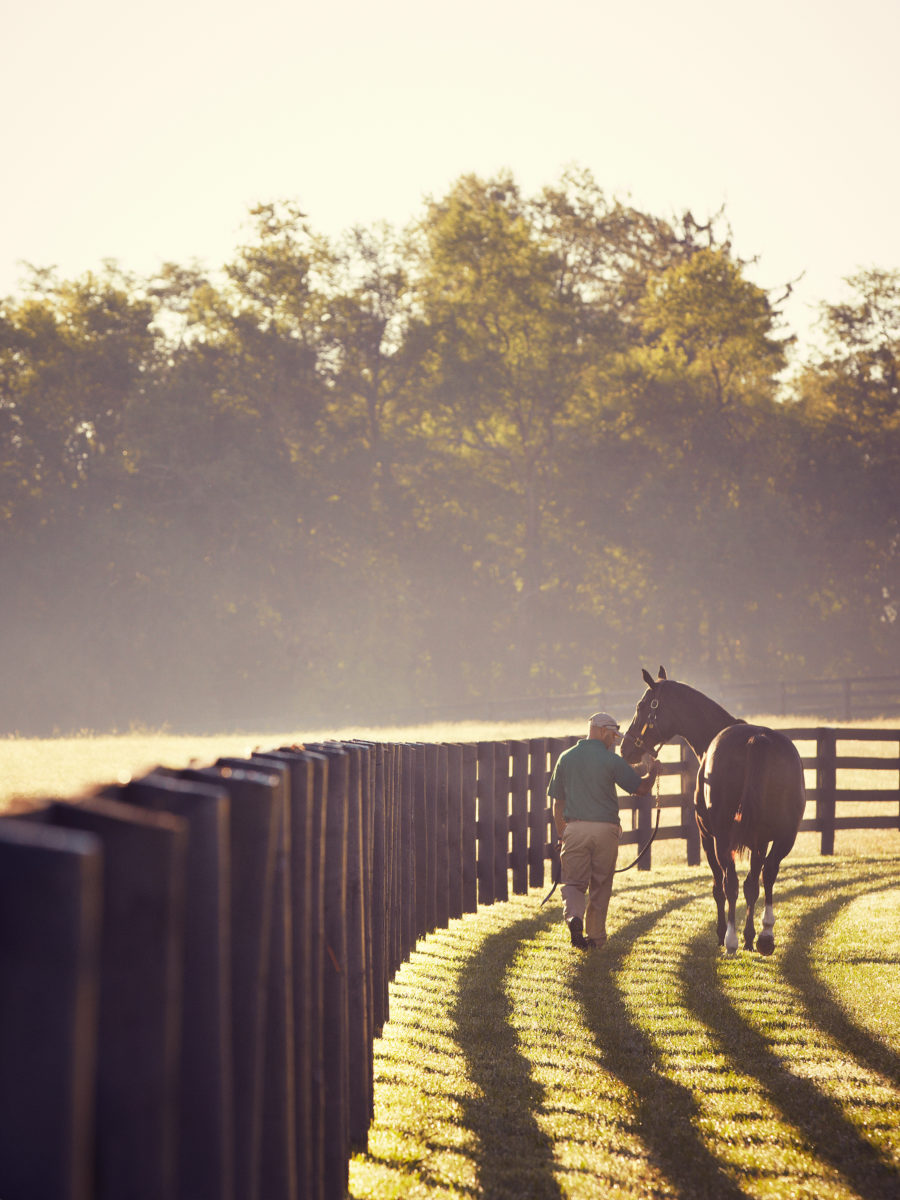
x=514, y=1158
x=667, y=1112
x=830, y=1017
x=821, y=1121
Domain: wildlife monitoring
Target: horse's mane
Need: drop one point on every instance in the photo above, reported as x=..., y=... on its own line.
x=712, y=707
x=707, y=713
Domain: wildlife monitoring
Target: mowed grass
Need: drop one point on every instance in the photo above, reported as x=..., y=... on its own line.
x=514, y=1066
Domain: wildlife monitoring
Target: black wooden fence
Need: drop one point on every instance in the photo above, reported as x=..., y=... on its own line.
x=194, y=965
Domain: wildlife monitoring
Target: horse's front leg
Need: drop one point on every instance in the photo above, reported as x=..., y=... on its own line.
x=751, y=895
x=725, y=856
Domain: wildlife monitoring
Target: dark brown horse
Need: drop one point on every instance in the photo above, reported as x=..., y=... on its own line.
x=750, y=793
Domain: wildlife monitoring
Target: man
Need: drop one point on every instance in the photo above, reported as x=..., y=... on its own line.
x=586, y=814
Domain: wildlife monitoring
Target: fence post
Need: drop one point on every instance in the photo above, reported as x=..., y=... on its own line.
x=407, y=820
x=206, y=1079
x=278, y=1159
x=431, y=895
x=442, y=839
x=358, y=977
x=141, y=948
x=455, y=830
x=485, y=822
x=380, y=907
x=421, y=826
x=690, y=764
x=826, y=786
x=469, y=828
x=519, y=817
x=537, y=811
x=50, y=914
x=255, y=794
x=335, y=1025
x=501, y=820
x=556, y=746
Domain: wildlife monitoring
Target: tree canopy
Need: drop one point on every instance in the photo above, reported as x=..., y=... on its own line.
x=517, y=448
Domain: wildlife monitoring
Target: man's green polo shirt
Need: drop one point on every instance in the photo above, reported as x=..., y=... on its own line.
x=585, y=778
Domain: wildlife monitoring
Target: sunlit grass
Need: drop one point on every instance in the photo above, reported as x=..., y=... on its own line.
x=858, y=958
x=656, y=1067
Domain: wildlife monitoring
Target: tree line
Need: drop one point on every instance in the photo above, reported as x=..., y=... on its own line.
x=514, y=449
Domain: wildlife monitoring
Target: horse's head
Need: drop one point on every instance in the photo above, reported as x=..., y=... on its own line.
x=650, y=726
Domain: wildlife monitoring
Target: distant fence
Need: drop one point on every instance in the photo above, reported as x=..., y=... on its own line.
x=843, y=699
x=194, y=965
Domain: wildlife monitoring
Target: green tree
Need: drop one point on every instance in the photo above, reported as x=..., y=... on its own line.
x=849, y=396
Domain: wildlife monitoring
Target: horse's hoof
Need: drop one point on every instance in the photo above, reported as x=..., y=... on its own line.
x=765, y=943
x=731, y=951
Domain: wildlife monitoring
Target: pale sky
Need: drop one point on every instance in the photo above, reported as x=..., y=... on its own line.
x=144, y=132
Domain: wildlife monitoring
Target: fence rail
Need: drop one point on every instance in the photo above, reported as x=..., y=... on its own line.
x=194, y=965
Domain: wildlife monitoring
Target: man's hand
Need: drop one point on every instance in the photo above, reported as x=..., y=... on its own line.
x=652, y=766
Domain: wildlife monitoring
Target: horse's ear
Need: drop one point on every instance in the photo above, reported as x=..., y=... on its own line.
x=662, y=673
x=648, y=678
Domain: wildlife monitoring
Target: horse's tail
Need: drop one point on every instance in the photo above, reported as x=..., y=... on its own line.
x=700, y=809
x=759, y=749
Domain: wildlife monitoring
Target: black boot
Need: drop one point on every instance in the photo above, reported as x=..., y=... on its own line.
x=576, y=932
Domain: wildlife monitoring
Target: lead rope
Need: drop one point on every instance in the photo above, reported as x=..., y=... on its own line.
x=644, y=850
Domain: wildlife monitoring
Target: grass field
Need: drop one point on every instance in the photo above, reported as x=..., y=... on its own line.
x=514, y=1066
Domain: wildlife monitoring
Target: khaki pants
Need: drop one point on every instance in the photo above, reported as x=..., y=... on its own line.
x=587, y=864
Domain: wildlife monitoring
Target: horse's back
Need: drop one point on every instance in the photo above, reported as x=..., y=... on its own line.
x=744, y=759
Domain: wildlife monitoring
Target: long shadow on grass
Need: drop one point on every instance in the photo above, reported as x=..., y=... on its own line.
x=829, y=1016
x=514, y=1157
x=667, y=1112
x=820, y=1119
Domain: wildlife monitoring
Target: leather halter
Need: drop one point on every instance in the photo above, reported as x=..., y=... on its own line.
x=649, y=724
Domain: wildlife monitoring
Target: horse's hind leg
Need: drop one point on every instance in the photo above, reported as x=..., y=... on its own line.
x=765, y=943
x=725, y=856
x=751, y=895
x=718, y=883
